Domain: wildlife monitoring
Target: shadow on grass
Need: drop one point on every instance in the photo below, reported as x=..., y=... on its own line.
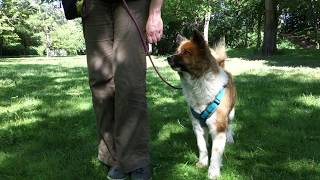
x=296, y=58
x=246, y=53
x=278, y=129
x=48, y=128
x=284, y=57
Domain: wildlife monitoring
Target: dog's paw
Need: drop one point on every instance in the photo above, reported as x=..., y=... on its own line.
x=200, y=164
x=213, y=173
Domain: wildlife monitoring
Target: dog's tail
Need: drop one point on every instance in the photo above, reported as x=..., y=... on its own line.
x=219, y=52
x=229, y=130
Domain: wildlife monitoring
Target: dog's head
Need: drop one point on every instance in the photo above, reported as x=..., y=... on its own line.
x=193, y=56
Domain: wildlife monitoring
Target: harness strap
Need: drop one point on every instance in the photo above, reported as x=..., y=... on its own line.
x=210, y=109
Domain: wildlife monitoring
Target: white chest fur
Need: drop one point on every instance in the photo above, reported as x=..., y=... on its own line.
x=199, y=92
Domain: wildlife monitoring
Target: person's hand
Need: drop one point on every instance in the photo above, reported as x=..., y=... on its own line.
x=154, y=27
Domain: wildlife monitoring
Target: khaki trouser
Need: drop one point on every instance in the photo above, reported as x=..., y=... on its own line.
x=117, y=78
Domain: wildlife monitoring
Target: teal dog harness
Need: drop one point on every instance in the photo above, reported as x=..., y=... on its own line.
x=210, y=109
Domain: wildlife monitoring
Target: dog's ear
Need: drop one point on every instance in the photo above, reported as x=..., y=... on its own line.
x=180, y=38
x=198, y=38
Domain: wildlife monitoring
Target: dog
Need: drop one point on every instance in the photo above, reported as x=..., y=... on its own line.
x=210, y=93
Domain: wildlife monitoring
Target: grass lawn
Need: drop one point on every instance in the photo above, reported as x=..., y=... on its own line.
x=47, y=126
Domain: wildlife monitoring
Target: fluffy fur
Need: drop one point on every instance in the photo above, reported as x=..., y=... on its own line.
x=202, y=74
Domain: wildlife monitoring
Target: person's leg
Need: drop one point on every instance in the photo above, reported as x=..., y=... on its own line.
x=98, y=32
x=131, y=121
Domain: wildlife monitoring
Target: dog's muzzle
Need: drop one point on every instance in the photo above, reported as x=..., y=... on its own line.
x=170, y=60
x=176, y=63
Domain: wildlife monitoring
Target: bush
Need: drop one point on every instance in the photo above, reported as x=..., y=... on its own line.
x=18, y=50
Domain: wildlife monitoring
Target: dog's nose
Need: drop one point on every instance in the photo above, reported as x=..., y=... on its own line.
x=170, y=60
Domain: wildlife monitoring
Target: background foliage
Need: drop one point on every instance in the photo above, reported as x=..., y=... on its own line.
x=32, y=27
x=242, y=21
x=37, y=27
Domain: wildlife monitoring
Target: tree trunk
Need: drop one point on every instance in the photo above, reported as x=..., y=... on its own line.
x=246, y=35
x=206, y=26
x=223, y=41
x=316, y=13
x=260, y=15
x=316, y=36
x=1, y=45
x=47, y=34
x=270, y=29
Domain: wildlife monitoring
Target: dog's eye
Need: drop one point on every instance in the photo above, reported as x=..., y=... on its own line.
x=186, y=52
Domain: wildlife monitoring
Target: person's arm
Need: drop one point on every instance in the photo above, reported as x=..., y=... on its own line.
x=154, y=25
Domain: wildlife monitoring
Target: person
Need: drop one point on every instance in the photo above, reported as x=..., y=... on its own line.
x=117, y=77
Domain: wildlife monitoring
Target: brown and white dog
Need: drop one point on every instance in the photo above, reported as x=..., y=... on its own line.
x=202, y=75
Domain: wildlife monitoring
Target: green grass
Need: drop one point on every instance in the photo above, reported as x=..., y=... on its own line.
x=284, y=57
x=47, y=126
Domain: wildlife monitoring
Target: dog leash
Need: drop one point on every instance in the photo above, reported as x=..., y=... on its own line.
x=145, y=45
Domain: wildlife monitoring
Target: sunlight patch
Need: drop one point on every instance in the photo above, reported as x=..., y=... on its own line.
x=6, y=83
x=238, y=65
x=61, y=79
x=95, y=162
x=56, y=73
x=310, y=100
x=187, y=169
x=20, y=122
x=4, y=156
x=29, y=73
x=75, y=104
x=25, y=103
x=69, y=108
x=84, y=105
x=76, y=91
x=303, y=165
x=168, y=129
x=164, y=100
x=191, y=156
x=67, y=79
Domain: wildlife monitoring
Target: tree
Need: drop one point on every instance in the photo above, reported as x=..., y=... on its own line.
x=260, y=10
x=63, y=39
x=206, y=25
x=315, y=8
x=14, y=27
x=270, y=28
x=37, y=24
x=47, y=19
x=179, y=17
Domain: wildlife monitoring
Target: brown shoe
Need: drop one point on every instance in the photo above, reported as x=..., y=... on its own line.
x=141, y=174
x=115, y=173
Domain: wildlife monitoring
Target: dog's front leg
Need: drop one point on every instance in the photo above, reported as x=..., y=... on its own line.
x=218, y=144
x=201, y=136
